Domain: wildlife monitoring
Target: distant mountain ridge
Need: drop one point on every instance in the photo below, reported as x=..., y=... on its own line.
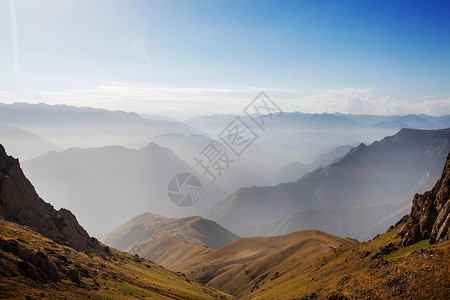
x=383, y=172
x=335, y=120
x=45, y=253
x=24, y=144
x=312, y=264
x=20, y=203
x=296, y=170
x=70, y=126
x=107, y=186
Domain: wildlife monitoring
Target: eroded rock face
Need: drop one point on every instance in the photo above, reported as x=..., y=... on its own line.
x=430, y=213
x=19, y=203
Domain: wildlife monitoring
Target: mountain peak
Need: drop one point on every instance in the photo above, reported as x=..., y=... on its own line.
x=152, y=146
x=19, y=203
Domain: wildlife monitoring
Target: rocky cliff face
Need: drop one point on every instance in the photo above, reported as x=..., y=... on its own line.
x=19, y=203
x=430, y=213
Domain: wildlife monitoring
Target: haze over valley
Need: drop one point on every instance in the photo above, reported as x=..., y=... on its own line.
x=224, y=149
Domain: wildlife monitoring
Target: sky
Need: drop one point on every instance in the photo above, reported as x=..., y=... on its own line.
x=188, y=58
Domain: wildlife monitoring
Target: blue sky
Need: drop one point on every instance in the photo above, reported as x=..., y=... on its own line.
x=183, y=58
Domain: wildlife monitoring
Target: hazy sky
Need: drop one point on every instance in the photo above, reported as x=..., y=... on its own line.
x=185, y=58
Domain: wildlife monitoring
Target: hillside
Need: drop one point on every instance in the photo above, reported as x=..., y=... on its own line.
x=239, y=267
x=377, y=269
x=313, y=264
x=34, y=267
x=390, y=266
x=134, y=235
x=399, y=264
x=96, y=182
x=384, y=172
x=45, y=253
x=19, y=203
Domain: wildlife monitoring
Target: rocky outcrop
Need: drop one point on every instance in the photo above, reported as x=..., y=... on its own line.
x=34, y=265
x=19, y=203
x=430, y=213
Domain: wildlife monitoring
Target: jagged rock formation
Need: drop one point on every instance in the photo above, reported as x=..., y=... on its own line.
x=430, y=213
x=19, y=203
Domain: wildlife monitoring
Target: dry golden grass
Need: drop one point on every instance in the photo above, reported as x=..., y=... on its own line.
x=247, y=264
x=356, y=271
x=119, y=276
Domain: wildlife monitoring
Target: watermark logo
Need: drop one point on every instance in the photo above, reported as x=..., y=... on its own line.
x=212, y=161
x=237, y=136
x=262, y=108
x=184, y=190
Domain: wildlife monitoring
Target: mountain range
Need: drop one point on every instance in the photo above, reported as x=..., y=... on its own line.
x=409, y=261
x=301, y=120
x=45, y=253
x=109, y=185
x=384, y=173
x=296, y=169
x=69, y=126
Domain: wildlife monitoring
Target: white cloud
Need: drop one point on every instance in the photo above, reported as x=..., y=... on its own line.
x=186, y=102
x=363, y=101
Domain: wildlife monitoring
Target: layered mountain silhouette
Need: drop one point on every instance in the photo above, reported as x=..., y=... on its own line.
x=245, y=171
x=313, y=264
x=69, y=126
x=109, y=185
x=138, y=233
x=301, y=120
x=190, y=246
x=19, y=203
x=295, y=170
x=24, y=144
x=400, y=264
x=45, y=253
x=385, y=172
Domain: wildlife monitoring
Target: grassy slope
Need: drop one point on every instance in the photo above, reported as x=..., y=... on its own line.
x=169, y=251
x=246, y=264
x=119, y=276
x=133, y=235
x=419, y=271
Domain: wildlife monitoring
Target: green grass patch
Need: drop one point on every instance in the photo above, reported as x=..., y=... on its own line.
x=128, y=289
x=410, y=249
